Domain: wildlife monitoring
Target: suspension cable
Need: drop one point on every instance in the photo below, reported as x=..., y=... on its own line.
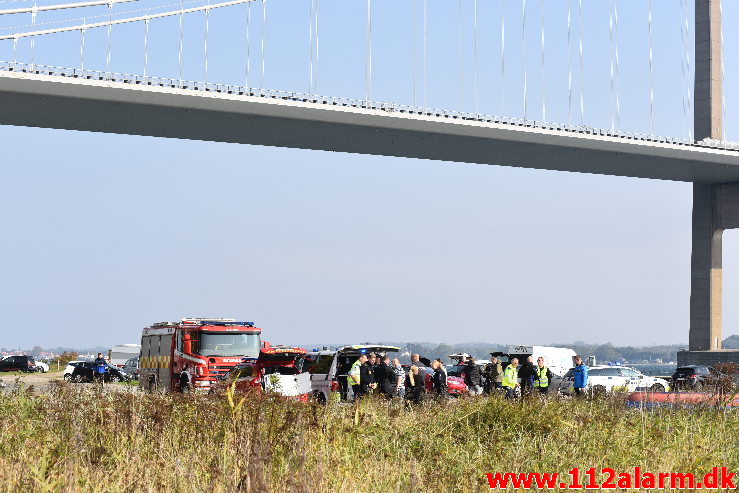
x=205, y=48
x=683, y=43
x=460, y=56
x=44, y=8
x=618, y=70
x=651, y=69
x=368, y=67
x=179, y=53
x=315, y=52
x=569, y=62
x=146, y=47
x=413, y=51
x=82, y=48
x=15, y=51
x=127, y=20
x=264, y=25
x=310, y=41
x=477, y=70
x=502, y=56
x=110, y=30
x=425, y=54
x=523, y=47
x=688, y=85
x=582, y=95
x=247, y=41
x=543, y=78
x=610, y=34
x=723, y=98
x=33, y=39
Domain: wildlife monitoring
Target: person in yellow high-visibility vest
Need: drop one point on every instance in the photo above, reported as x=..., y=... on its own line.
x=353, y=377
x=542, y=376
x=510, y=379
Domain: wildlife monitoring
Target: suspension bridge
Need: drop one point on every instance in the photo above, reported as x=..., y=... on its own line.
x=533, y=110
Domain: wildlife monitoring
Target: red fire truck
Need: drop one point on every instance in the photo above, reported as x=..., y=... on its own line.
x=194, y=352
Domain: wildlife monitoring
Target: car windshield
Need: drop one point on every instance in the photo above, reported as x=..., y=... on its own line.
x=229, y=344
x=685, y=371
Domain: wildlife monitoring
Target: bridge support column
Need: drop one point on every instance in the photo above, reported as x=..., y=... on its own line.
x=715, y=208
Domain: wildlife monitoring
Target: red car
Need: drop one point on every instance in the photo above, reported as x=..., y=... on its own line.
x=279, y=369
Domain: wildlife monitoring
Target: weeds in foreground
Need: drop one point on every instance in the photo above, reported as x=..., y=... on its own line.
x=73, y=439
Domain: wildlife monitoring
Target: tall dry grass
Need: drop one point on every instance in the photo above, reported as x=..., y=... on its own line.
x=74, y=438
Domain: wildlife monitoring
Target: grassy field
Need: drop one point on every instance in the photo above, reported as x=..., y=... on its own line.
x=73, y=438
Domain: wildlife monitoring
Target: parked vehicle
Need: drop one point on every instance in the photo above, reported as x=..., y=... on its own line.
x=698, y=377
x=67, y=375
x=18, y=363
x=121, y=353
x=329, y=370
x=204, y=348
x=279, y=369
x=85, y=372
x=557, y=359
x=602, y=379
x=131, y=367
x=41, y=367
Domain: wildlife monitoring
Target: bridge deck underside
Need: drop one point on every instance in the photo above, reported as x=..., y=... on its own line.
x=56, y=102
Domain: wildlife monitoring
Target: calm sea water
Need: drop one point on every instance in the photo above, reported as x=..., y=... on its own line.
x=656, y=370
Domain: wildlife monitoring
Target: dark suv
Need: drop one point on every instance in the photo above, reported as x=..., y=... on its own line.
x=18, y=363
x=696, y=377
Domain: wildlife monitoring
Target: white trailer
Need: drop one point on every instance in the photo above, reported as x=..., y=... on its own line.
x=122, y=353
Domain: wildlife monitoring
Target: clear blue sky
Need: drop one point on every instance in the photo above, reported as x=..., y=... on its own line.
x=104, y=234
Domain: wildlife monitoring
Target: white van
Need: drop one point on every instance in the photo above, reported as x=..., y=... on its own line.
x=329, y=369
x=557, y=359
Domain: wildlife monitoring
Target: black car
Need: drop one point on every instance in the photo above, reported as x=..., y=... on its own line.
x=696, y=377
x=131, y=367
x=18, y=363
x=85, y=372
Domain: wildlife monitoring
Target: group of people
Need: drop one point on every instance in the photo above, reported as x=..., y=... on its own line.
x=378, y=373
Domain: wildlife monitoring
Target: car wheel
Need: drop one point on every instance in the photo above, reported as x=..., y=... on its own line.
x=657, y=387
x=67, y=377
x=115, y=378
x=698, y=385
x=77, y=378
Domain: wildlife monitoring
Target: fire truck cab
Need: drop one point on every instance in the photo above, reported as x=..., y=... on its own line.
x=194, y=352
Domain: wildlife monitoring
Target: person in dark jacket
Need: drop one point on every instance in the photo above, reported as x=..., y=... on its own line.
x=472, y=377
x=415, y=387
x=385, y=378
x=526, y=373
x=101, y=366
x=439, y=380
x=367, y=375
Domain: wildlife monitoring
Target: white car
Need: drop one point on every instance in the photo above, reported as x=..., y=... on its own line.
x=41, y=366
x=329, y=370
x=69, y=369
x=616, y=379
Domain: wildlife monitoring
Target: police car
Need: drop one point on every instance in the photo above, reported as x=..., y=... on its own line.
x=605, y=378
